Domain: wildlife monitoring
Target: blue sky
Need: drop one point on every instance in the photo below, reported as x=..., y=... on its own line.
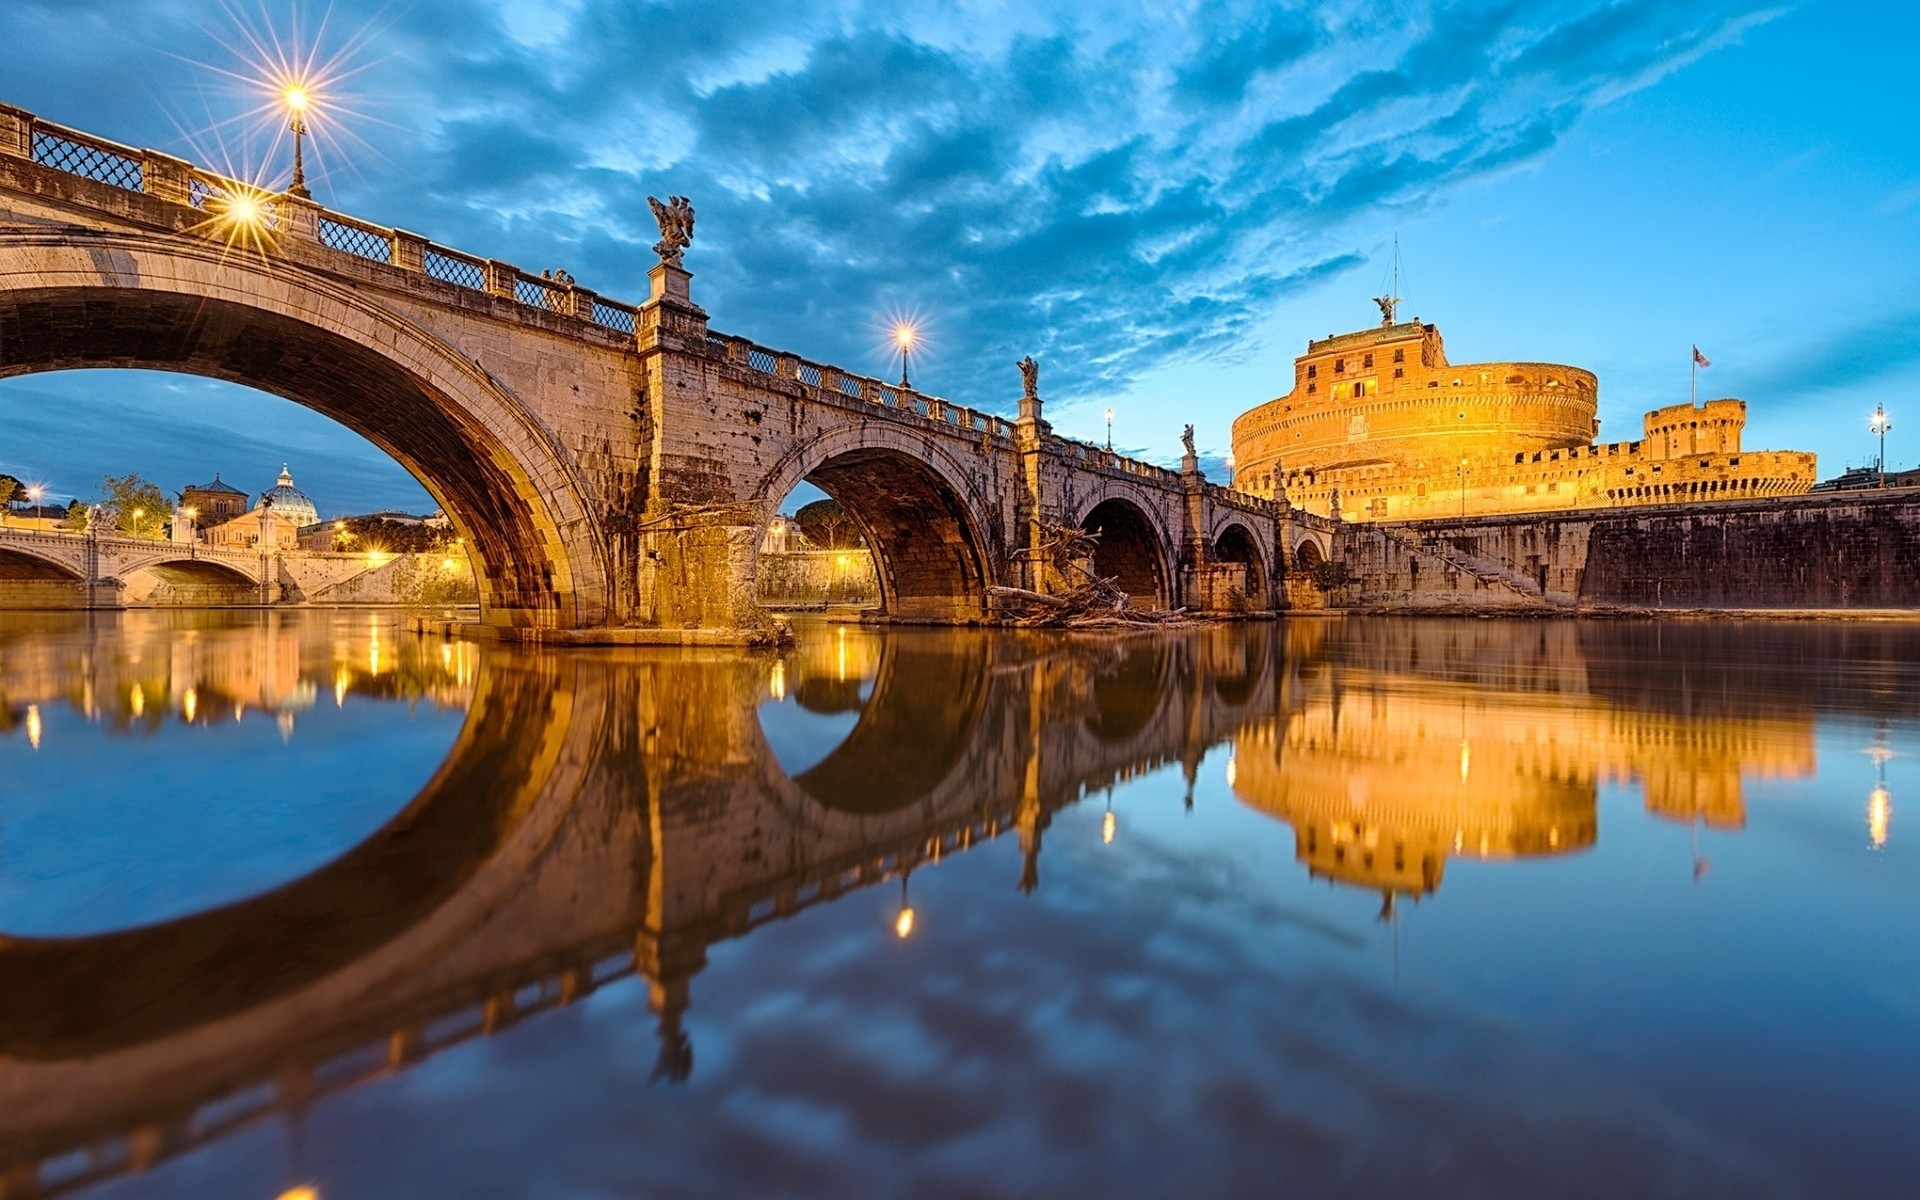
x=1161, y=202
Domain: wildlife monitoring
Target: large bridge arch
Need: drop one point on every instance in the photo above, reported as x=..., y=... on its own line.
x=1136, y=547
x=1233, y=541
x=75, y=298
x=932, y=536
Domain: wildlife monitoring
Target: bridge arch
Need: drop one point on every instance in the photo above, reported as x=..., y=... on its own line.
x=919, y=510
x=1234, y=542
x=29, y=579
x=74, y=298
x=1134, y=548
x=177, y=579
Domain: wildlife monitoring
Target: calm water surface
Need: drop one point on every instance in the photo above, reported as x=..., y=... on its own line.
x=1340, y=907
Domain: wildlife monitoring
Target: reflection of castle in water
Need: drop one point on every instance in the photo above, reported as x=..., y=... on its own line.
x=1436, y=741
x=615, y=814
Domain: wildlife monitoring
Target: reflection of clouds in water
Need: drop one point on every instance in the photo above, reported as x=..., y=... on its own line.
x=801, y=739
x=1175, y=1044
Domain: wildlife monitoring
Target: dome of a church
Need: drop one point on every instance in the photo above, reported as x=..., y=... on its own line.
x=290, y=502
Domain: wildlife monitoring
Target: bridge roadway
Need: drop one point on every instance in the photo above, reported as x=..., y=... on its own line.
x=599, y=816
x=610, y=464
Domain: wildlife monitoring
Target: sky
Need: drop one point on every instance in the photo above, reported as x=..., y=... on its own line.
x=1160, y=201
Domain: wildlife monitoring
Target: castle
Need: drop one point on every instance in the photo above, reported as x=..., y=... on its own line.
x=1382, y=427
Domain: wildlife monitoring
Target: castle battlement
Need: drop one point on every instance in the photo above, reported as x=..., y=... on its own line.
x=1381, y=419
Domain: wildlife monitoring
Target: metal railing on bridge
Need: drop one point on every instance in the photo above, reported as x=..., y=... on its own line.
x=149, y=172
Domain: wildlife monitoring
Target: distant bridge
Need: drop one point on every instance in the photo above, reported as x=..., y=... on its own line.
x=610, y=464
x=63, y=570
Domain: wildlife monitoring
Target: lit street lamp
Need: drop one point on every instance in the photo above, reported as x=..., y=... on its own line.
x=1109, y=431
x=905, y=335
x=296, y=98
x=1880, y=424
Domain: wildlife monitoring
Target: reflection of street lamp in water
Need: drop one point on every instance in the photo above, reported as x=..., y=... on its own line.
x=1879, y=800
x=903, y=924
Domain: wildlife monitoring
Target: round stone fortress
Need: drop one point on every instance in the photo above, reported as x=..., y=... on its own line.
x=1380, y=421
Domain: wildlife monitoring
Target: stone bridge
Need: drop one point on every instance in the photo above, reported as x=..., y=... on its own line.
x=599, y=817
x=75, y=570
x=612, y=465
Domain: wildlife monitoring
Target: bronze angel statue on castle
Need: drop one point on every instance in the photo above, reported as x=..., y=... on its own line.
x=676, y=228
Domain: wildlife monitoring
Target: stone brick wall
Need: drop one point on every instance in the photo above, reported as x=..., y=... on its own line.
x=1828, y=551
x=803, y=578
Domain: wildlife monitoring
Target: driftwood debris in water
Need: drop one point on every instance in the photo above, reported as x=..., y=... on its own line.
x=1091, y=602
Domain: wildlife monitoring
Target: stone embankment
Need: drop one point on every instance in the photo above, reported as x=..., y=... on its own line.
x=1832, y=553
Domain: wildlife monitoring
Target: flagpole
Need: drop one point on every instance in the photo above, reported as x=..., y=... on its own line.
x=1693, y=378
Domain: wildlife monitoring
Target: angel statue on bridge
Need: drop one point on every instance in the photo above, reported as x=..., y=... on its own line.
x=1186, y=439
x=676, y=227
x=1030, y=376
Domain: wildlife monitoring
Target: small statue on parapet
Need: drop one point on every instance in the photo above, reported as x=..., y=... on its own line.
x=676, y=228
x=1388, y=304
x=1029, y=377
x=1186, y=439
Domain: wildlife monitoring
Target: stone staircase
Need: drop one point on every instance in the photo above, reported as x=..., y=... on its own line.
x=1490, y=574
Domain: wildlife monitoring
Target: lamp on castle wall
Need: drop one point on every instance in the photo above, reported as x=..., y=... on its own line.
x=1880, y=424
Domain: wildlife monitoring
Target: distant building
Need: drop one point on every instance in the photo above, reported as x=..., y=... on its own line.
x=212, y=503
x=335, y=536
x=289, y=501
x=1381, y=425
x=1855, y=479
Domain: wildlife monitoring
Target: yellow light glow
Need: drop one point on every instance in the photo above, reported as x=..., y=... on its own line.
x=189, y=704
x=1879, y=814
x=903, y=924
x=340, y=687
x=905, y=335
x=1233, y=769
x=190, y=512
x=244, y=208
x=33, y=726
x=842, y=561
x=303, y=1192
x=449, y=565
x=1466, y=758
x=137, y=701
x=777, y=680
x=296, y=98
x=1106, y=829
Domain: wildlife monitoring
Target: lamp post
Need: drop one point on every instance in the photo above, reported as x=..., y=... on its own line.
x=904, y=336
x=1880, y=424
x=296, y=98
x=1109, y=431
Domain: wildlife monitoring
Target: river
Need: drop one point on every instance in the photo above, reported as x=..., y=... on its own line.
x=1338, y=906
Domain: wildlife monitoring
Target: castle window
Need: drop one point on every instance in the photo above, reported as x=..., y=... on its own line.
x=1397, y=372
x=1311, y=389
x=1400, y=355
x=1313, y=370
x=1339, y=366
x=1359, y=389
x=1366, y=360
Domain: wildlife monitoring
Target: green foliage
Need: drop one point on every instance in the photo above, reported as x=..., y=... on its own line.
x=393, y=537
x=828, y=526
x=143, y=509
x=76, y=519
x=1329, y=574
x=11, y=489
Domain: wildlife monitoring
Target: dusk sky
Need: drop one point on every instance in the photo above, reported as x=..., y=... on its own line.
x=1161, y=202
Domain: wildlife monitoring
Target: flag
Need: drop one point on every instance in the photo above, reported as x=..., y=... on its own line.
x=1699, y=358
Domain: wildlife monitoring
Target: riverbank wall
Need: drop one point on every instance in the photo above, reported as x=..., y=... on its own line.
x=1830, y=552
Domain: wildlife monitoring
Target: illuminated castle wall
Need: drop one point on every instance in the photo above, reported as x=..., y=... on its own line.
x=1383, y=420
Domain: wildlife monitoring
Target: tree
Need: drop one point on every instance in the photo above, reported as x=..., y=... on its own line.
x=11, y=489
x=392, y=537
x=76, y=519
x=828, y=526
x=143, y=509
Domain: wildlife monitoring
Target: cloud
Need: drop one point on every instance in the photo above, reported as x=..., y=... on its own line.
x=1114, y=188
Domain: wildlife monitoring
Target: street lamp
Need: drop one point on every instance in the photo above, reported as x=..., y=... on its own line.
x=1109, y=431
x=905, y=334
x=297, y=101
x=1880, y=424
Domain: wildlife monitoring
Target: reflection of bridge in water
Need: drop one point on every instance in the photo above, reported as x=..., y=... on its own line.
x=1400, y=745
x=600, y=816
